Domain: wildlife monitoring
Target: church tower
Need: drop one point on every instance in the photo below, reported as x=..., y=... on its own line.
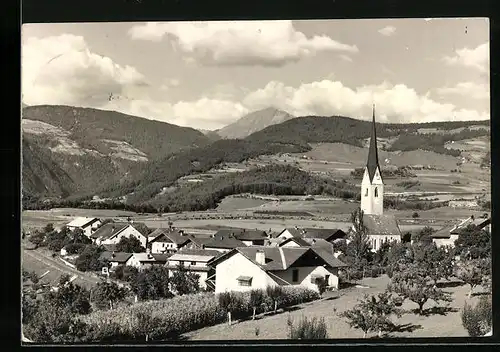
x=372, y=186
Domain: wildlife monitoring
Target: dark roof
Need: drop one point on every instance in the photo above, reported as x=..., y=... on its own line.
x=381, y=224
x=478, y=222
x=225, y=242
x=161, y=257
x=372, y=162
x=300, y=241
x=156, y=233
x=109, y=230
x=280, y=258
x=326, y=234
x=444, y=232
x=204, y=252
x=119, y=257
x=243, y=234
x=110, y=247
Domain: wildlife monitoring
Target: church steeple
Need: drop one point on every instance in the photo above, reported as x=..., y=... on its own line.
x=372, y=162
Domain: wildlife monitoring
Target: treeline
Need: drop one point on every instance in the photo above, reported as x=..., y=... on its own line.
x=400, y=204
x=401, y=171
x=434, y=142
x=272, y=179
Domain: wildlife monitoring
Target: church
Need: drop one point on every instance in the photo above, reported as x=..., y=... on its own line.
x=380, y=227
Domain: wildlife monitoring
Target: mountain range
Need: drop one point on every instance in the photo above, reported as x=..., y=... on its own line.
x=71, y=152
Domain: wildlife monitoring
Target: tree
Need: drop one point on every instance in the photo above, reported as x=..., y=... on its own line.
x=125, y=273
x=359, y=246
x=104, y=294
x=275, y=293
x=229, y=301
x=37, y=238
x=152, y=283
x=373, y=313
x=256, y=300
x=424, y=236
x=473, y=271
x=88, y=260
x=413, y=283
x=71, y=296
x=48, y=228
x=130, y=245
x=77, y=236
x=478, y=319
x=321, y=283
x=184, y=282
x=473, y=243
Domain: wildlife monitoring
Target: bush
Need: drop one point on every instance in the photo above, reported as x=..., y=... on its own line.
x=180, y=314
x=415, y=215
x=314, y=329
x=477, y=320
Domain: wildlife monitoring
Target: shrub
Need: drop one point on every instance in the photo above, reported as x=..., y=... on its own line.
x=477, y=320
x=415, y=215
x=314, y=329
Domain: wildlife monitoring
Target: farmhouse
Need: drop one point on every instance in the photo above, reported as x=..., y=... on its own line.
x=166, y=241
x=115, y=258
x=248, y=237
x=447, y=236
x=194, y=261
x=112, y=233
x=145, y=260
x=380, y=228
x=329, y=235
x=246, y=268
x=87, y=225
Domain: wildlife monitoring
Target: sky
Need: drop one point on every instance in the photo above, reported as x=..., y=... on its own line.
x=207, y=75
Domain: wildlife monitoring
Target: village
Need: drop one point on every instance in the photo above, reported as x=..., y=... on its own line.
x=322, y=265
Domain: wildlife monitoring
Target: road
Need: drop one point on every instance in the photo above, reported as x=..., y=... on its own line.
x=59, y=266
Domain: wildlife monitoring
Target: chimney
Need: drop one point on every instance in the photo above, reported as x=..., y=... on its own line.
x=260, y=257
x=113, y=254
x=181, y=232
x=472, y=217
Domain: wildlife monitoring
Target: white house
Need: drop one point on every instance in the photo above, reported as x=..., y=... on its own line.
x=253, y=267
x=145, y=260
x=87, y=225
x=112, y=233
x=194, y=261
x=166, y=241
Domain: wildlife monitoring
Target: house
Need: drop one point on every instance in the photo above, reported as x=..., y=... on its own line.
x=115, y=258
x=329, y=235
x=248, y=237
x=145, y=260
x=380, y=229
x=307, y=242
x=195, y=261
x=112, y=233
x=221, y=243
x=166, y=241
x=251, y=267
x=447, y=235
x=86, y=224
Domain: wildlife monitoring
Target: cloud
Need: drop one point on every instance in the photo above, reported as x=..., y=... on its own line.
x=345, y=58
x=395, y=103
x=477, y=58
x=387, y=31
x=62, y=70
x=467, y=90
x=240, y=43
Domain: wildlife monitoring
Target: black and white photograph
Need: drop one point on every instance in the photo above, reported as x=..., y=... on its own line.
x=255, y=180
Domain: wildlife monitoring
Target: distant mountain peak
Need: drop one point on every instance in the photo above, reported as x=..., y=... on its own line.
x=254, y=122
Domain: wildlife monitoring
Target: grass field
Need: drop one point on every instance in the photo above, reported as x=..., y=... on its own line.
x=275, y=326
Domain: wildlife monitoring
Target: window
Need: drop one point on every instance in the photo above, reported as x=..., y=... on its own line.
x=295, y=275
x=193, y=263
x=366, y=193
x=376, y=191
x=244, y=281
x=327, y=279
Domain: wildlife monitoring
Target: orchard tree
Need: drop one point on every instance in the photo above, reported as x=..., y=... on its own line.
x=414, y=284
x=104, y=294
x=37, y=238
x=472, y=272
x=473, y=243
x=125, y=273
x=228, y=301
x=359, y=246
x=256, y=300
x=374, y=313
x=152, y=283
x=424, y=236
x=275, y=293
x=478, y=319
x=184, y=282
x=89, y=260
x=71, y=296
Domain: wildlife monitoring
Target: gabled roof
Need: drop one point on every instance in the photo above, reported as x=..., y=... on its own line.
x=156, y=233
x=119, y=257
x=315, y=233
x=381, y=224
x=109, y=230
x=279, y=258
x=372, y=163
x=300, y=241
x=82, y=222
x=243, y=234
x=201, y=255
x=224, y=242
x=168, y=236
x=478, y=222
x=153, y=257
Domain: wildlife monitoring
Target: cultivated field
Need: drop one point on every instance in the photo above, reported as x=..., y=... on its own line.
x=275, y=326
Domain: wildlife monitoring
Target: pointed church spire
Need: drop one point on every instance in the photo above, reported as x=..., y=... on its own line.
x=372, y=162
